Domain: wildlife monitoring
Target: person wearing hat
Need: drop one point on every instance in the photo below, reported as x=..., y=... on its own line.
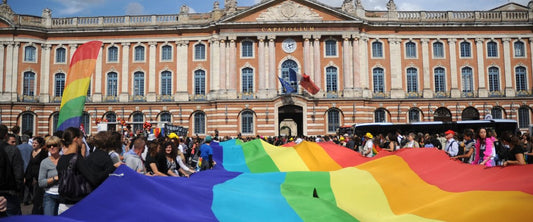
x=369, y=143
x=206, y=153
x=452, y=147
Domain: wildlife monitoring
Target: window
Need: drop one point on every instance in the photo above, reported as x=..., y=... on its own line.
x=199, y=123
x=55, y=120
x=331, y=79
x=29, y=84
x=465, y=49
x=60, y=84
x=438, y=50
x=410, y=50
x=289, y=76
x=199, y=82
x=247, y=80
x=166, y=53
x=377, y=49
x=247, y=49
x=138, y=121
x=412, y=80
x=27, y=123
x=333, y=120
x=199, y=51
x=138, y=84
x=112, y=84
x=331, y=48
x=519, y=50
x=521, y=78
x=440, y=80
x=139, y=53
x=30, y=54
x=379, y=116
x=165, y=117
x=86, y=122
x=497, y=113
x=523, y=117
x=467, y=79
x=61, y=55
x=111, y=119
x=112, y=54
x=247, y=122
x=166, y=83
x=492, y=49
x=414, y=115
x=378, y=80
x=494, y=79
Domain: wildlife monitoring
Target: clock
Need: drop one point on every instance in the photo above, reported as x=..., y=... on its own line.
x=289, y=45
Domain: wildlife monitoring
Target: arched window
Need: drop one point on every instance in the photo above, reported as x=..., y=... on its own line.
x=30, y=54
x=492, y=49
x=139, y=53
x=497, y=112
x=438, y=50
x=138, y=121
x=199, y=82
x=166, y=53
x=112, y=54
x=440, y=80
x=523, y=117
x=410, y=50
x=28, y=122
x=494, y=79
x=379, y=116
x=166, y=83
x=521, y=78
x=86, y=122
x=247, y=122
x=331, y=79
x=111, y=119
x=333, y=120
x=289, y=76
x=199, y=51
x=412, y=80
x=199, y=123
x=138, y=84
x=414, y=115
x=112, y=84
x=29, y=84
x=470, y=113
x=378, y=79
x=519, y=49
x=331, y=48
x=467, y=79
x=61, y=55
x=247, y=80
x=165, y=117
x=465, y=49
x=60, y=84
x=247, y=49
x=377, y=49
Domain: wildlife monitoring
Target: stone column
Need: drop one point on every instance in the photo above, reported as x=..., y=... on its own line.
x=124, y=74
x=271, y=83
x=308, y=63
x=44, y=96
x=347, y=66
x=2, y=77
x=262, y=76
x=151, y=96
x=98, y=78
x=15, y=73
x=233, y=77
x=397, y=90
x=530, y=51
x=356, y=68
x=182, y=71
x=455, y=92
x=5, y=96
x=482, y=89
x=363, y=67
x=508, y=71
x=223, y=64
x=426, y=73
x=214, y=70
x=317, y=67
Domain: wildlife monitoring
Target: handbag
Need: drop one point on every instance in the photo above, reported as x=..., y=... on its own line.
x=72, y=184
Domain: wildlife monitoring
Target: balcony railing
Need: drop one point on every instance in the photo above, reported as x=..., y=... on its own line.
x=30, y=99
x=332, y=94
x=442, y=95
x=111, y=99
x=56, y=99
x=470, y=94
x=524, y=93
x=381, y=95
x=197, y=97
x=496, y=94
x=246, y=95
x=138, y=98
x=165, y=98
x=413, y=95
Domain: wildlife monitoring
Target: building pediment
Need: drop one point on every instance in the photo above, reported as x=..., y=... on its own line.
x=510, y=7
x=289, y=11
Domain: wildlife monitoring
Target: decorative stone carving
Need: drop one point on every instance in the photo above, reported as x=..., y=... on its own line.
x=348, y=6
x=230, y=6
x=216, y=6
x=184, y=9
x=391, y=6
x=5, y=11
x=289, y=11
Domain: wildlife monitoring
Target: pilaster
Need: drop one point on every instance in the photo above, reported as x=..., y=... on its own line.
x=151, y=96
x=44, y=96
x=98, y=77
x=271, y=86
x=233, y=79
x=2, y=66
x=124, y=75
x=6, y=97
x=454, y=91
x=214, y=69
x=262, y=77
x=508, y=71
x=182, y=71
x=356, y=68
x=363, y=67
x=317, y=75
x=347, y=66
x=482, y=89
x=396, y=69
x=427, y=91
x=14, y=84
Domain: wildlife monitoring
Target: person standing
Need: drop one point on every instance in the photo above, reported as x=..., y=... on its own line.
x=12, y=170
x=206, y=153
x=133, y=157
x=452, y=147
x=48, y=178
x=25, y=151
x=484, y=149
x=369, y=144
x=38, y=154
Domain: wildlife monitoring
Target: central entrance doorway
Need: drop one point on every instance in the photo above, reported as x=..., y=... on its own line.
x=290, y=120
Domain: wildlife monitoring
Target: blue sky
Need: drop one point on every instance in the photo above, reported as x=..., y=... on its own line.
x=81, y=8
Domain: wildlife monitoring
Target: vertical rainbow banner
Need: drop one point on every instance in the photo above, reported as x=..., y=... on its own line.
x=81, y=68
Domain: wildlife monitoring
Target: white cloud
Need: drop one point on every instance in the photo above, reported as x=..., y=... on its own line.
x=134, y=8
x=74, y=6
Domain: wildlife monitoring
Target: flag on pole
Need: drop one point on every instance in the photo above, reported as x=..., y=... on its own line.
x=286, y=85
x=81, y=68
x=309, y=85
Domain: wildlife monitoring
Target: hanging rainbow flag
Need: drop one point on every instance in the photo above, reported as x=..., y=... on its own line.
x=81, y=68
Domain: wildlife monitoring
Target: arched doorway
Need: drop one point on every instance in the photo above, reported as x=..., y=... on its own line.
x=470, y=113
x=290, y=116
x=442, y=114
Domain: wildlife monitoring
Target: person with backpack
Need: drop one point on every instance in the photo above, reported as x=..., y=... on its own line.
x=11, y=174
x=452, y=147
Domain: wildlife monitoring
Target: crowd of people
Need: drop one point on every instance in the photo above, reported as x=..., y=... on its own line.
x=38, y=170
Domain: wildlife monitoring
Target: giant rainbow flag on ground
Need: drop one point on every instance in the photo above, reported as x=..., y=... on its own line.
x=81, y=68
x=256, y=181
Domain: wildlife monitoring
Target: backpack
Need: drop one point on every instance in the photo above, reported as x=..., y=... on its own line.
x=501, y=152
x=72, y=184
x=6, y=172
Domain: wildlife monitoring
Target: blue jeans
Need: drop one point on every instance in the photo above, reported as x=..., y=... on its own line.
x=50, y=204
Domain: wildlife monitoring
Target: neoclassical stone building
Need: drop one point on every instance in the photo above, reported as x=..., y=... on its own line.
x=219, y=70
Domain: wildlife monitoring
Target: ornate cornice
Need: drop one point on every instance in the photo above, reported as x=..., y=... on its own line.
x=289, y=11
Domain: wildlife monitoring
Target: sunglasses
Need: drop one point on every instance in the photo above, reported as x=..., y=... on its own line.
x=52, y=145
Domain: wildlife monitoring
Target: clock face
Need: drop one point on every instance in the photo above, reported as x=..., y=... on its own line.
x=289, y=45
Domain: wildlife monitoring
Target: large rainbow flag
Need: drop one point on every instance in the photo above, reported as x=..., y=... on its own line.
x=256, y=181
x=81, y=68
